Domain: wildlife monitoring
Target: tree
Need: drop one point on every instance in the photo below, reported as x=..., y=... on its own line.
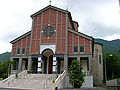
x=5, y=68
x=76, y=75
x=112, y=65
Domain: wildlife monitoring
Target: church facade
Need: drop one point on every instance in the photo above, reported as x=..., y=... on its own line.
x=52, y=43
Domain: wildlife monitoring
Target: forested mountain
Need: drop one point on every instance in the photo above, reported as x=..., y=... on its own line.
x=112, y=46
x=4, y=56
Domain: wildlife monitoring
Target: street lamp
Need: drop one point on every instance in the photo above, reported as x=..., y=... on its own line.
x=106, y=69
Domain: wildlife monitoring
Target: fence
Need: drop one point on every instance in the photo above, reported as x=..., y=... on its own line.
x=114, y=82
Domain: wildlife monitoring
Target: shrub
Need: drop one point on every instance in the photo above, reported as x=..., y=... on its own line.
x=76, y=75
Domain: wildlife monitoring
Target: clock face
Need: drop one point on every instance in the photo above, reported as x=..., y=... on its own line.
x=48, y=31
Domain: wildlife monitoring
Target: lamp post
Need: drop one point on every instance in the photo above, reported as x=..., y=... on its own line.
x=105, y=72
x=106, y=69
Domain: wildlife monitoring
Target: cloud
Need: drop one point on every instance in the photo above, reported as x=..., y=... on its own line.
x=97, y=18
x=113, y=37
x=5, y=46
x=98, y=30
x=14, y=21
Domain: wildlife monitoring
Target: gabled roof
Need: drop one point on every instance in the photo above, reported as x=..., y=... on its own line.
x=20, y=37
x=49, y=6
x=56, y=8
x=81, y=34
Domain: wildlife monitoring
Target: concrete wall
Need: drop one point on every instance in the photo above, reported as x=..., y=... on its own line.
x=98, y=64
x=88, y=81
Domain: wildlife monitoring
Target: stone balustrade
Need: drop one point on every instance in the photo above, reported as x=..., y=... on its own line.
x=86, y=72
x=59, y=81
x=48, y=82
x=10, y=80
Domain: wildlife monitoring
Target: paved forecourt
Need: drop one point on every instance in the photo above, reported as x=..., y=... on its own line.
x=94, y=88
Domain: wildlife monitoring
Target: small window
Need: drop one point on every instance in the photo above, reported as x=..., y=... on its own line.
x=75, y=48
x=18, y=51
x=81, y=48
x=23, y=50
x=100, y=59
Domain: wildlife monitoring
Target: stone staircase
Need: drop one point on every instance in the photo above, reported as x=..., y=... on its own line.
x=29, y=81
x=34, y=81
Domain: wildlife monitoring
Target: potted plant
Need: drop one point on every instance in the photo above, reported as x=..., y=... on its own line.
x=76, y=75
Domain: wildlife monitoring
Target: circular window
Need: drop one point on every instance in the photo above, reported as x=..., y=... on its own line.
x=48, y=31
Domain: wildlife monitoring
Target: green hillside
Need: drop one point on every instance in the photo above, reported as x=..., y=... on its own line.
x=4, y=56
x=112, y=46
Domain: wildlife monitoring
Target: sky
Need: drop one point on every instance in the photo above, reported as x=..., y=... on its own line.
x=97, y=18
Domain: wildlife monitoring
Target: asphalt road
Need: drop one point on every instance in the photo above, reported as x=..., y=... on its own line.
x=87, y=89
x=9, y=89
x=63, y=89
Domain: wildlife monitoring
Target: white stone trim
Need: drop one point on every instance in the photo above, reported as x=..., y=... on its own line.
x=39, y=59
x=54, y=58
x=43, y=47
x=54, y=63
x=39, y=64
x=54, y=68
x=39, y=69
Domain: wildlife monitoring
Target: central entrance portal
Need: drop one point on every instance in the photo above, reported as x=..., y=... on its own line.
x=47, y=64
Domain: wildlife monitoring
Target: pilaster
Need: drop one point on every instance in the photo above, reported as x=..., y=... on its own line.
x=54, y=70
x=11, y=69
x=29, y=63
x=90, y=65
x=20, y=64
x=65, y=62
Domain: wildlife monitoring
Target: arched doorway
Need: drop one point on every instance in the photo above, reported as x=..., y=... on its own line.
x=47, y=64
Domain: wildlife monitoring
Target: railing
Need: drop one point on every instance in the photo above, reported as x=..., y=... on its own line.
x=0, y=83
x=86, y=72
x=114, y=82
x=23, y=74
x=10, y=80
x=48, y=82
x=54, y=80
x=59, y=80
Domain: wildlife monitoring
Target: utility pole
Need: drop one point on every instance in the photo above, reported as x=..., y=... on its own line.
x=110, y=55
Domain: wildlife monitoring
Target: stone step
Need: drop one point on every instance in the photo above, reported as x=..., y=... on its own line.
x=32, y=81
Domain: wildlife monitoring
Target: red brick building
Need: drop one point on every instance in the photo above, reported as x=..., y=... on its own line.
x=52, y=43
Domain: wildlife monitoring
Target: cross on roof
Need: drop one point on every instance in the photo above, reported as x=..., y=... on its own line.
x=50, y=2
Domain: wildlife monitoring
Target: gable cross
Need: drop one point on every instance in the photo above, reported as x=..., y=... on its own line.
x=50, y=2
